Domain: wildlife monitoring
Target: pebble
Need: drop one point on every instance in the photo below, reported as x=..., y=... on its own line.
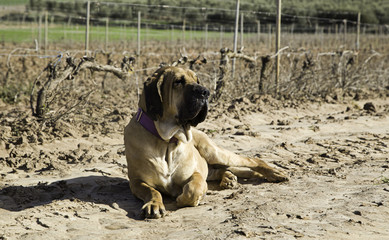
x=115, y=206
x=369, y=106
x=356, y=212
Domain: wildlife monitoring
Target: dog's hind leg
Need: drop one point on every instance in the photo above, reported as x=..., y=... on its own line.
x=228, y=180
x=229, y=176
x=215, y=155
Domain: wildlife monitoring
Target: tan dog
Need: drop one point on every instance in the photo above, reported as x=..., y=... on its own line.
x=166, y=154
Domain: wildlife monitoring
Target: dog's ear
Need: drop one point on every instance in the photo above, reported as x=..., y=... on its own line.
x=153, y=95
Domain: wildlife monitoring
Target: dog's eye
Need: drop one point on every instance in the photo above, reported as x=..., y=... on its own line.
x=180, y=81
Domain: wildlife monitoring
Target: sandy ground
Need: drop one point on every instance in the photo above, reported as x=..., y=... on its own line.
x=336, y=154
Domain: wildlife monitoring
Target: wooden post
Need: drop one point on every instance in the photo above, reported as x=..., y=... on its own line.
x=278, y=43
x=87, y=28
x=46, y=31
x=235, y=36
x=358, y=30
x=138, y=51
x=106, y=33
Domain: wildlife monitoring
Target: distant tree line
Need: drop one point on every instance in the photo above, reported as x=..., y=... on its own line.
x=206, y=11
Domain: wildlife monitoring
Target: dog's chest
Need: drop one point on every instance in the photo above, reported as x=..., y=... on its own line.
x=174, y=169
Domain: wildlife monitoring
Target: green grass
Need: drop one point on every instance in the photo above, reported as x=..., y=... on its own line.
x=28, y=33
x=13, y=2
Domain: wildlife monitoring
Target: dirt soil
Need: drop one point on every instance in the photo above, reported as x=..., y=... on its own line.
x=69, y=182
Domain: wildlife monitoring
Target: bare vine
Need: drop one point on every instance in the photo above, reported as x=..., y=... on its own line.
x=50, y=91
x=184, y=59
x=224, y=67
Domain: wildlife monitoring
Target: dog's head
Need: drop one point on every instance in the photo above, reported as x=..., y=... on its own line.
x=174, y=99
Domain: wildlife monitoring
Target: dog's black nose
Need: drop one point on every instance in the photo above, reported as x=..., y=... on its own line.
x=201, y=92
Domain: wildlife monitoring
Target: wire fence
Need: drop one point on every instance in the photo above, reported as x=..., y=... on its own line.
x=53, y=28
x=322, y=53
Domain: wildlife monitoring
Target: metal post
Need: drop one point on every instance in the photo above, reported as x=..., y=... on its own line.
x=278, y=43
x=241, y=30
x=171, y=34
x=376, y=37
x=269, y=36
x=221, y=37
x=258, y=31
x=183, y=31
x=64, y=33
x=206, y=36
x=87, y=28
x=46, y=32
x=235, y=36
x=138, y=51
x=191, y=35
x=106, y=33
x=358, y=30
x=146, y=37
x=345, y=31
x=40, y=31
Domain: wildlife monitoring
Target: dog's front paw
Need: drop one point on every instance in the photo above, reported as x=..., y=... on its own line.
x=153, y=209
x=229, y=180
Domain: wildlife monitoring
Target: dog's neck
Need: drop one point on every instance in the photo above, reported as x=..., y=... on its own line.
x=148, y=124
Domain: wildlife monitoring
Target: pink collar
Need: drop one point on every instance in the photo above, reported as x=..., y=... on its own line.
x=149, y=125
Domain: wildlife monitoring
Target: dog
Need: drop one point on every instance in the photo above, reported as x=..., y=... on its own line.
x=165, y=152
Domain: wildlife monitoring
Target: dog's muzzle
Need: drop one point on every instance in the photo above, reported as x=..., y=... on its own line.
x=200, y=92
x=195, y=106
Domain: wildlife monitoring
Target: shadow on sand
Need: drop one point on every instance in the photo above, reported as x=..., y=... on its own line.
x=96, y=189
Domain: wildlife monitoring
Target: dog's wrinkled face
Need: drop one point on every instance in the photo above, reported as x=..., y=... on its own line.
x=176, y=93
x=192, y=99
